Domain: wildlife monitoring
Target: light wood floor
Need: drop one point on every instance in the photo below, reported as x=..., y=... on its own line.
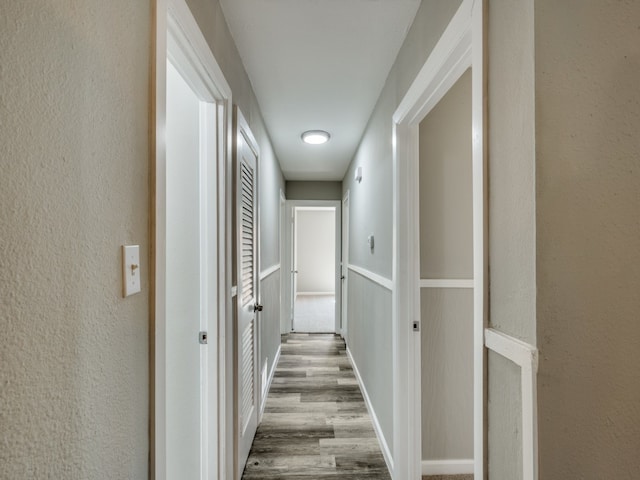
x=316, y=425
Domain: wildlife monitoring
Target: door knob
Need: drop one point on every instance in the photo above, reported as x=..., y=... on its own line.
x=257, y=307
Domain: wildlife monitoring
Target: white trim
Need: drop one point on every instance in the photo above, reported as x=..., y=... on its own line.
x=270, y=380
x=290, y=208
x=384, y=446
x=446, y=283
x=178, y=37
x=460, y=47
x=450, y=58
x=272, y=269
x=234, y=291
x=480, y=230
x=526, y=357
x=374, y=277
x=344, y=269
x=204, y=72
x=284, y=262
x=447, y=467
x=519, y=352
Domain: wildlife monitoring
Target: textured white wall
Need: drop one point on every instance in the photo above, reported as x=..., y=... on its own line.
x=316, y=251
x=588, y=225
x=74, y=158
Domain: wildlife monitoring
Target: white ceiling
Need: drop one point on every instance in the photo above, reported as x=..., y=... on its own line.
x=318, y=64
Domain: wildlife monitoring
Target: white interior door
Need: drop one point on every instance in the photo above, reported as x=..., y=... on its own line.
x=248, y=264
x=345, y=264
x=294, y=265
x=190, y=122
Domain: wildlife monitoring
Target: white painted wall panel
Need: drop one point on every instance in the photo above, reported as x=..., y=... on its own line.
x=369, y=334
x=447, y=373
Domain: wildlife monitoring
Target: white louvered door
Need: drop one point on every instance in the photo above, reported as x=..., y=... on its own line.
x=247, y=277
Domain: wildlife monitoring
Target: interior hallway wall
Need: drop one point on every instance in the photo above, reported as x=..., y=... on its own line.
x=512, y=292
x=370, y=212
x=446, y=252
x=210, y=18
x=588, y=237
x=74, y=156
x=297, y=190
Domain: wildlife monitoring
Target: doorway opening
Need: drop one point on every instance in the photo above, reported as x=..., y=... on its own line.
x=446, y=285
x=459, y=47
x=314, y=298
x=313, y=257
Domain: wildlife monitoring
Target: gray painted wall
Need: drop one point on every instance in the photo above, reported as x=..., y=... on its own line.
x=269, y=321
x=370, y=212
x=512, y=169
x=297, y=190
x=447, y=373
x=505, y=419
x=74, y=155
x=511, y=221
x=588, y=237
x=446, y=207
x=369, y=344
x=446, y=251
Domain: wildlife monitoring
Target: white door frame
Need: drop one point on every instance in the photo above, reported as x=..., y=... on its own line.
x=290, y=206
x=459, y=47
x=344, y=262
x=284, y=270
x=178, y=36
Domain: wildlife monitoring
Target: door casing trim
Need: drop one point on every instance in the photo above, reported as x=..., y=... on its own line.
x=461, y=46
x=176, y=33
x=290, y=205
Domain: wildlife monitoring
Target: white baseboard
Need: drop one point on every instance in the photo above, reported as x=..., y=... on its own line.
x=263, y=402
x=386, y=453
x=447, y=467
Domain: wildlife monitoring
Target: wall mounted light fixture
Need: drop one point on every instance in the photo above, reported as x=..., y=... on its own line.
x=358, y=174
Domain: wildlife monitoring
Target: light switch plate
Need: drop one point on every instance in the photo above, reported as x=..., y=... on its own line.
x=130, y=269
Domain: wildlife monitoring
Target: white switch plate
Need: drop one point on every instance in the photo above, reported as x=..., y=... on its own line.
x=130, y=269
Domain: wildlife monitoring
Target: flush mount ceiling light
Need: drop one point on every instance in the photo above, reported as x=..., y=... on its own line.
x=315, y=137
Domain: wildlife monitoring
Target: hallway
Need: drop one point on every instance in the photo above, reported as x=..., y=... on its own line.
x=315, y=423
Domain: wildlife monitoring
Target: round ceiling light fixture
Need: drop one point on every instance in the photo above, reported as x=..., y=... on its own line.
x=315, y=137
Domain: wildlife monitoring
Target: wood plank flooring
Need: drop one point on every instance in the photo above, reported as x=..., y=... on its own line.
x=316, y=425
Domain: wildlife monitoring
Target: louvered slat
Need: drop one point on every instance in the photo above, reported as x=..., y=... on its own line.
x=247, y=375
x=247, y=234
